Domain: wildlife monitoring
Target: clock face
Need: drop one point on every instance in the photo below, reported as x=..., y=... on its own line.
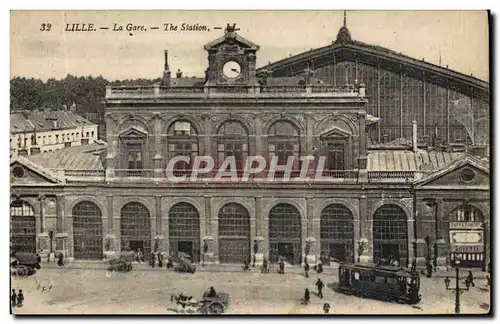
x=231, y=69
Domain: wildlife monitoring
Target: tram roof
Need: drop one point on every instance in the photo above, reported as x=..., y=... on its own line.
x=402, y=272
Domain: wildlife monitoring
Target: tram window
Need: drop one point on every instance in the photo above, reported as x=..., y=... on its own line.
x=379, y=279
x=356, y=275
x=392, y=281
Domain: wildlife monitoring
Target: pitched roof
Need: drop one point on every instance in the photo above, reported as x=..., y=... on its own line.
x=84, y=157
x=237, y=38
x=341, y=49
x=404, y=160
x=453, y=165
x=29, y=121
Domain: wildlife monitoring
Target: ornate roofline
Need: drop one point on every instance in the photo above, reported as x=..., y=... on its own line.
x=344, y=45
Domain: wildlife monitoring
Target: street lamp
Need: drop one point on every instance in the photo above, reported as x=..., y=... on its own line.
x=457, y=289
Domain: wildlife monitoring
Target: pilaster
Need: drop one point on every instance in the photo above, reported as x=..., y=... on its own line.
x=366, y=220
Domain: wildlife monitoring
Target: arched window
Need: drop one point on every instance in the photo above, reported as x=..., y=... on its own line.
x=232, y=140
x=285, y=234
x=87, y=231
x=283, y=141
x=390, y=234
x=337, y=234
x=184, y=230
x=182, y=139
x=234, y=234
x=22, y=227
x=135, y=228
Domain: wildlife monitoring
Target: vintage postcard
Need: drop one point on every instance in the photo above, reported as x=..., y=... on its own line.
x=250, y=162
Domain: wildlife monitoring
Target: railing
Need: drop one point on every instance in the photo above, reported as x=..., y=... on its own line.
x=391, y=175
x=84, y=173
x=156, y=91
x=130, y=173
x=341, y=174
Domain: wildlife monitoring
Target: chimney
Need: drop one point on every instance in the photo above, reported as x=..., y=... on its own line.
x=414, y=136
x=166, y=71
x=178, y=75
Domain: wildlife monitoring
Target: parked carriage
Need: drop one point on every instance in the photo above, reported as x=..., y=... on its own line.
x=24, y=264
x=122, y=264
x=181, y=263
x=207, y=305
x=386, y=283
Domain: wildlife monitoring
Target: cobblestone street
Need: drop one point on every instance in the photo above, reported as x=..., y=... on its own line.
x=92, y=290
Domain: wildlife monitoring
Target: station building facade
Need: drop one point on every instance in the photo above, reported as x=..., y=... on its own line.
x=402, y=178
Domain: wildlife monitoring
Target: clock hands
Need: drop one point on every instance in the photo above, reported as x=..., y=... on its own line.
x=235, y=70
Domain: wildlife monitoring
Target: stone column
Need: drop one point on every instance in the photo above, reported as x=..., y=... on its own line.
x=441, y=254
x=366, y=221
x=110, y=245
x=157, y=145
x=43, y=236
x=165, y=226
x=159, y=237
x=111, y=139
x=362, y=159
x=356, y=224
x=411, y=238
x=311, y=240
x=207, y=236
x=487, y=244
x=61, y=234
x=259, y=257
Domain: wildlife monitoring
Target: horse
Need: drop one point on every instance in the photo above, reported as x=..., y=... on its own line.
x=185, y=303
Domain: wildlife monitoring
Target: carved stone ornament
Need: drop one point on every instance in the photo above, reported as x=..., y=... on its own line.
x=214, y=118
x=265, y=117
x=317, y=117
x=115, y=117
x=353, y=117
x=301, y=119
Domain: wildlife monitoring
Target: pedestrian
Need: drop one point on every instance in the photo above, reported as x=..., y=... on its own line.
x=153, y=260
x=414, y=265
x=13, y=298
x=319, y=267
x=447, y=282
x=255, y=251
x=60, y=259
x=306, y=269
x=140, y=256
x=326, y=308
x=470, y=280
x=429, y=269
x=264, y=268
x=488, y=280
x=320, y=285
x=20, y=298
x=160, y=260
x=282, y=266
x=307, y=297
x=170, y=264
x=246, y=266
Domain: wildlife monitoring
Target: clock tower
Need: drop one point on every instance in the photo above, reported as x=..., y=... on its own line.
x=231, y=59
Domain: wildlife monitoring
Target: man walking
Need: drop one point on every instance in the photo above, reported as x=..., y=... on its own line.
x=13, y=298
x=470, y=280
x=320, y=285
x=306, y=268
x=447, y=282
x=255, y=251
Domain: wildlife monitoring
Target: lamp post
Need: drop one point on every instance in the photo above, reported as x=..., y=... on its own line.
x=457, y=288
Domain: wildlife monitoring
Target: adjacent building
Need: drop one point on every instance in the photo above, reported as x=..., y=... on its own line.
x=404, y=177
x=40, y=131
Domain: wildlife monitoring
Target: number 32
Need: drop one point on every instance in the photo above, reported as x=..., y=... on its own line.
x=45, y=27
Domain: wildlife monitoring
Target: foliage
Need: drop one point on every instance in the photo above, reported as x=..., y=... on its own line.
x=86, y=92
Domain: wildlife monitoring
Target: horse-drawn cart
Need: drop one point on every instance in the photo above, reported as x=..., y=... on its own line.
x=207, y=305
x=24, y=264
x=122, y=264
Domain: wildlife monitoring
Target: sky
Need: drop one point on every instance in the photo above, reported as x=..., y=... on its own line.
x=460, y=38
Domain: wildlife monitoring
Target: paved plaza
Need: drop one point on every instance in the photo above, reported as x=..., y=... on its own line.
x=91, y=290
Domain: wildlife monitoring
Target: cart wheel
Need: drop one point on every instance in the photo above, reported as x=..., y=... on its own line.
x=215, y=308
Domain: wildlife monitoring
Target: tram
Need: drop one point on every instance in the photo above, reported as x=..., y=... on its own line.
x=388, y=283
